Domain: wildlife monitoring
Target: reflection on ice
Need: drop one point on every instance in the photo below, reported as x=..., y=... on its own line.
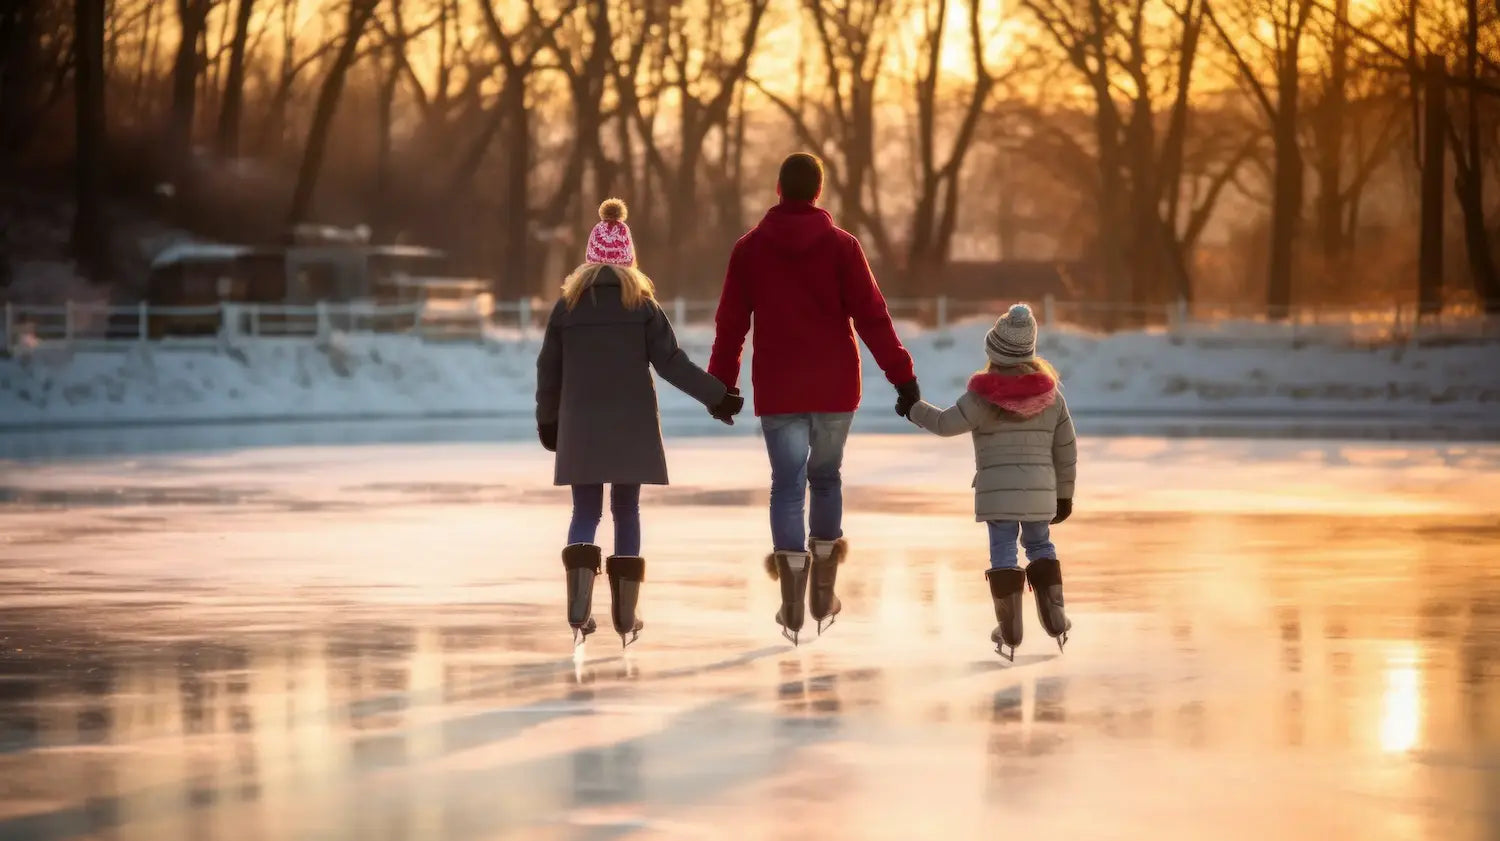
x=1401, y=718
x=371, y=645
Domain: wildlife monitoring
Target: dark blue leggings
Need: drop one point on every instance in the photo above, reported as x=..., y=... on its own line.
x=624, y=508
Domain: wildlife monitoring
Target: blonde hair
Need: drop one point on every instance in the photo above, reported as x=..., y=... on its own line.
x=1034, y=365
x=635, y=288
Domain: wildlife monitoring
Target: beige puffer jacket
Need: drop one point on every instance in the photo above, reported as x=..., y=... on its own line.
x=1025, y=449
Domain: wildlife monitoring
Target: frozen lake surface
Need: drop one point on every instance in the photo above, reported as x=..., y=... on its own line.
x=1272, y=639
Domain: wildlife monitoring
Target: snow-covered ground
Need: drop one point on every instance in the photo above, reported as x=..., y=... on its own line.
x=1237, y=372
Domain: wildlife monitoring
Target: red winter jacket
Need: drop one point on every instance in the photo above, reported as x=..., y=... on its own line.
x=803, y=280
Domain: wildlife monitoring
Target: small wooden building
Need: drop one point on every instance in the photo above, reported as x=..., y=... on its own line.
x=204, y=275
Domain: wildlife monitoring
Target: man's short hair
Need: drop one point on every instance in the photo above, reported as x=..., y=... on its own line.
x=801, y=177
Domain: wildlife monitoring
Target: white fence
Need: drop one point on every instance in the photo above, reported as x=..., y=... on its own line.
x=109, y=326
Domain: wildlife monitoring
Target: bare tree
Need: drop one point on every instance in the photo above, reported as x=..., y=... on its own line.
x=192, y=18
x=1280, y=102
x=1158, y=179
x=583, y=53
x=228, y=139
x=852, y=39
x=1468, y=184
x=936, y=212
x=328, y=98
x=519, y=51
x=274, y=125
x=89, y=246
x=36, y=45
x=703, y=59
x=1447, y=28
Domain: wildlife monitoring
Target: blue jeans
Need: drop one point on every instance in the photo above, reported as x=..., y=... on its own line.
x=1036, y=537
x=624, y=508
x=807, y=451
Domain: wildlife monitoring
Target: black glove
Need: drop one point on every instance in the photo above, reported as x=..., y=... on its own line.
x=1064, y=510
x=907, y=395
x=548, y=433
x=728, y=407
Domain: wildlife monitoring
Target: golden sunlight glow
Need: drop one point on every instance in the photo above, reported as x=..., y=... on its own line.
x=1401, y=704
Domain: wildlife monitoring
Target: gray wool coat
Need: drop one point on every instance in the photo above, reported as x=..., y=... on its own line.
x=1025, y=456
x=593, y=379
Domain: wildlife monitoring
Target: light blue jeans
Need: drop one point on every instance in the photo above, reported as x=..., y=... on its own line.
x=807, y=452
x=1036, y=537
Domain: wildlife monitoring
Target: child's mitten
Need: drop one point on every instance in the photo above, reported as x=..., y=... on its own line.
x=1064, y=510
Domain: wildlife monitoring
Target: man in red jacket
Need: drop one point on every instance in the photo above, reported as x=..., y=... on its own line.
x=804, y=281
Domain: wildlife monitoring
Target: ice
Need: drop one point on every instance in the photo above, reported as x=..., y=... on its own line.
x=1229, y=372
x=1272, y=639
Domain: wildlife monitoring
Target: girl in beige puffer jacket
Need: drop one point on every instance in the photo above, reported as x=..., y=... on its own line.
x=1026, y=457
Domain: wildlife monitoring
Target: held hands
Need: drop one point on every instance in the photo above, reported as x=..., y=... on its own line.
x=727, y=408
x=548, y=433
x=907, y=395
x=1064, y=510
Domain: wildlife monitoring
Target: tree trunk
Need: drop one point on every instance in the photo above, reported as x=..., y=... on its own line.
x=1332, y=240
x=328, y=99
x=1471, y=181
x=515, y=277
x=683, y=218
x=143, y=59
x=1112, y=217
x=1435, y=129
x=1477, y=243
x=586, y=87
x=19, y=83
x=234, y=85
x=192, y=17
x=89, y=248
x=1286, y=203
x=384, y=109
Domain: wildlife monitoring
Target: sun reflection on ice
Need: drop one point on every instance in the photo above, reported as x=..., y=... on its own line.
x=1401, y=703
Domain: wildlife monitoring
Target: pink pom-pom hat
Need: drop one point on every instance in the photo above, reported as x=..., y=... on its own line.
x=609, y=241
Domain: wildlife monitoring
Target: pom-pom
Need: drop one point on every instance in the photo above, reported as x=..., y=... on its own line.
x=1019, y=314
x=613, y=210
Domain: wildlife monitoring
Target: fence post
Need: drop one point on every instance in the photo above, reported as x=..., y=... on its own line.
x=142, y=321
x=1048, y=302
x=255, y=320
x=679, y=310
x=523, y=316
x=942, y=312
x=10, y=328
x=68, y=321
x=229, y=321
x=325, y=327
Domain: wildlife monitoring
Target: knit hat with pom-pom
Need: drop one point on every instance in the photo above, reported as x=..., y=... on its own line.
x=1013, y=338
x=610, y=240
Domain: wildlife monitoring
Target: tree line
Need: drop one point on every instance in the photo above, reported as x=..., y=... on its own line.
x=1266, y=151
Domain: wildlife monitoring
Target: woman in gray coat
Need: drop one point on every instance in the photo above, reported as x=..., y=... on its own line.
x=1026, y=459
x=596, y=408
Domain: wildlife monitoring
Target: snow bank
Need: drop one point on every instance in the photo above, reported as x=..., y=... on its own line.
x=401, y=376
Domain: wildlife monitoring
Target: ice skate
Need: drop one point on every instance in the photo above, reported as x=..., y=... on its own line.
x=1006, y=587
x=581, y=566
x=625, y=577
x=1045, y=578
x=822, y=603
x=791, y=569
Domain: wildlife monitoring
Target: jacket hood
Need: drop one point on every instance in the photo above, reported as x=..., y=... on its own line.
x=607, y=276
x=794, y=227
x=1027, y=395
